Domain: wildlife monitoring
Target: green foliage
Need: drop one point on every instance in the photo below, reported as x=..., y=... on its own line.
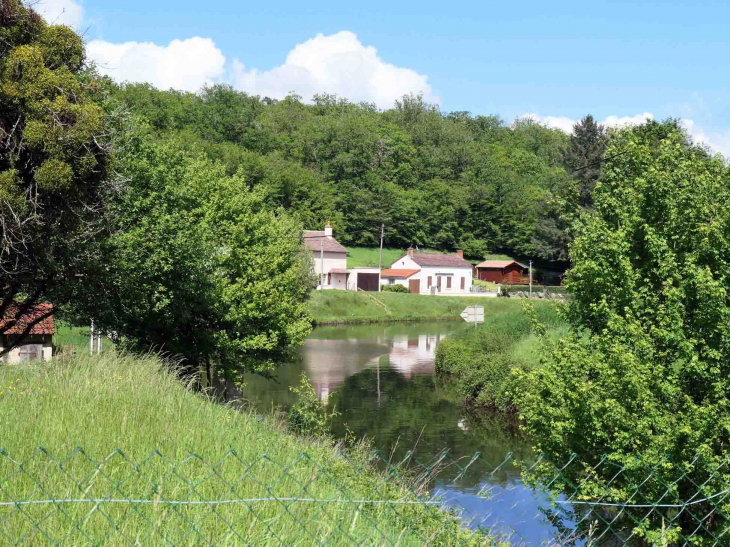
x=481, y=361
x=201, y=266
x=395, y=288
x=55, y=158
x=441, y=181
x=645, y=374
x=583, y=155
x=309, y=416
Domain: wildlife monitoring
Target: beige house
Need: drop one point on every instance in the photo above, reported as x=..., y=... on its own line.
x=38, y=346
x=330, y=258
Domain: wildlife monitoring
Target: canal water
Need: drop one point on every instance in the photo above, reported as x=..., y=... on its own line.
x=381, y=380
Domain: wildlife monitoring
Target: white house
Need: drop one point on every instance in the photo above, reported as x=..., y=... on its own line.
x=426, y=273
x=38, y=345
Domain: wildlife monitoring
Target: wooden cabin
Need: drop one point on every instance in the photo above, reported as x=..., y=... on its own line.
x=503, y=271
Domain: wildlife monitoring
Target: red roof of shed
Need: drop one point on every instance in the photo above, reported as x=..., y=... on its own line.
x=394, y=272
x=44, y=326
x=499, y=264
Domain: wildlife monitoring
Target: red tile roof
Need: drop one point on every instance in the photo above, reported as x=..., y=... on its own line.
x=338, y=271
x=44, y=326
x=312, y=239
x=393, y=272
x=499, y=264
x=455, y=261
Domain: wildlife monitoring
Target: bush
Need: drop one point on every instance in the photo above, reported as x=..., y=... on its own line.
x=395, y=288
x=309, y=416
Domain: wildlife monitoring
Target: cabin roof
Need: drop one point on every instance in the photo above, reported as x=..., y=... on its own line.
x=499, y=264
x=44, y=326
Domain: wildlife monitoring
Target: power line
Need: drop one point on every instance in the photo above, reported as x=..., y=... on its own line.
x=600, y=161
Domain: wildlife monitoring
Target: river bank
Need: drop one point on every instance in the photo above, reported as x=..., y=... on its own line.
x=353, y=308
x=480, y=362
x=125, y=427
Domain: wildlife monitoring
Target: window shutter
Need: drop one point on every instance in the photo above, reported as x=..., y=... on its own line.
x=448, y=282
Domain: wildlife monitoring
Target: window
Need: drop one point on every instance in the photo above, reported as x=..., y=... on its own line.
x=391, y=281
x=448, y=282
x=429, y=281
x=463, y=283
x=30, y=352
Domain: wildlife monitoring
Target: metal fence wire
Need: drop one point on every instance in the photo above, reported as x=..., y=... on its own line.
x=76, y=499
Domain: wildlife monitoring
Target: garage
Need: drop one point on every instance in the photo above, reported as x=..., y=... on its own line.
x=368, y=282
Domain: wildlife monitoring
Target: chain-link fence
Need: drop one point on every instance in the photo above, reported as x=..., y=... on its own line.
x=350, y=499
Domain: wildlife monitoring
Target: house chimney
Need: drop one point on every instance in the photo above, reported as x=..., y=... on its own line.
x=410, y=251
x=328, y=230
x=460, y=253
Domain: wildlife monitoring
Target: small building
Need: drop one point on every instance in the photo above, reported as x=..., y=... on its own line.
x=364, y=278
x=330, y=258
x=503, y=271
x=38, y=345
x=438, y=274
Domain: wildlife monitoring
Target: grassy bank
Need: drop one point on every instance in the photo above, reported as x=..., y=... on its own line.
x=480, y=361
x=330, y=307
x=106, y=403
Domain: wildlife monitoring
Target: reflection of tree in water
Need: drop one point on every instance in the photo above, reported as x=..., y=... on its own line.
x=400, y=414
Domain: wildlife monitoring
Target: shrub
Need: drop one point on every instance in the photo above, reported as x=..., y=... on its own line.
x=395, y=288
x=309, y=415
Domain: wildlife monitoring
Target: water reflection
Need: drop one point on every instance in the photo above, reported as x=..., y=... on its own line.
x=381, y=379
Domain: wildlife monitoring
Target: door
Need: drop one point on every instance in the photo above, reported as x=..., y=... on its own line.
x=414, y=286
x=438, y=282
x=367, y=282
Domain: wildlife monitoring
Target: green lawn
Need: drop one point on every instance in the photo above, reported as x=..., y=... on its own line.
x=357, y=307
x=124, y=428
x=358, y=257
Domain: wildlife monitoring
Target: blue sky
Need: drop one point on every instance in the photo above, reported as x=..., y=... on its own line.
x=555, y=60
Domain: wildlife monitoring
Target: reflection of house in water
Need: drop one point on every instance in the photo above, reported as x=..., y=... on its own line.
x=414, y=355
x=329, y=362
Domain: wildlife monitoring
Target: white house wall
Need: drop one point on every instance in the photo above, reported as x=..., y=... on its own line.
x=407, y=263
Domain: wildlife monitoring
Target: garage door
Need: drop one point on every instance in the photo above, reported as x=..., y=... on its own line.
x=414, y=286
x=368, y=282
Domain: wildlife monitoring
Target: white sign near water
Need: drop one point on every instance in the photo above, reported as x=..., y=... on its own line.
x=473, y=314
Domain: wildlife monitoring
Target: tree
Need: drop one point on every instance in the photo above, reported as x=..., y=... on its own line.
x=583, y=154
x=55, y=159
x=646, y=374
x=199, y=266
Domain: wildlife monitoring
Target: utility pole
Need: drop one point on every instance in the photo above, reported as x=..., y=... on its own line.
x=380, y=264
x=530, y=278
x=321, y=263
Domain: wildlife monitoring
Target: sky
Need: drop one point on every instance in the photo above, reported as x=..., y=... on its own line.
x=553, y=61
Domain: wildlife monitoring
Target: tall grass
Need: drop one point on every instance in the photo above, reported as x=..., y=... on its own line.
x=354, y=307
x=481, y=360
x=126, y=427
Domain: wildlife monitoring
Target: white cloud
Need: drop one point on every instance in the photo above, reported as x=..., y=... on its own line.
x=338, y=64
x=60, y=12
x=717, y=141
x=182, y=64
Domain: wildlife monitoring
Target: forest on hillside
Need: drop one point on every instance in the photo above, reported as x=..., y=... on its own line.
x=434, y=179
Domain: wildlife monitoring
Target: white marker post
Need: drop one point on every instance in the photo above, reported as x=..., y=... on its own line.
x=473, y=314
